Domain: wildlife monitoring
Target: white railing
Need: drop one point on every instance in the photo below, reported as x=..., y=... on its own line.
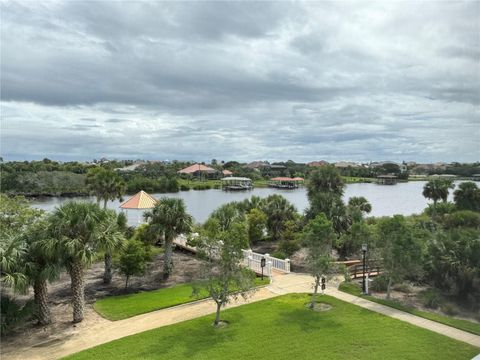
x=277, y=264
x=251, y=259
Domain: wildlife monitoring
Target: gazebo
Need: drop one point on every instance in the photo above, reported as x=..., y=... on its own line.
x=140, y=201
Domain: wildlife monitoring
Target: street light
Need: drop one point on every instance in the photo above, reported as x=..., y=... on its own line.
x=364, y=251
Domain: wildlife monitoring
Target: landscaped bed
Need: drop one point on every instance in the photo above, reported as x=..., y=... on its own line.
x=125, y=306
x=283, y=328
x=464, y=325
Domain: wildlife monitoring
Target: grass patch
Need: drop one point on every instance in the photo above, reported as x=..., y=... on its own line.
x=125, y=306
x=464, y=325
x=282, y=328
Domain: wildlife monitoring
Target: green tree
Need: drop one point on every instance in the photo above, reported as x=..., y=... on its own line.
x=357, y=207
x=318, y=236
x=169, y=217
x=41, y=265
x=359, y=233
x=224, y=277
x=437, y=189
x=467, y=196
x=278, y=211
x=114, y=224
x=453, y=262
x=333, y=207
x=257, y=221
x=400, y=250
x=78, y=228
x=133, y=260
x=228, y=214
x=325, y=179
x=105, y=185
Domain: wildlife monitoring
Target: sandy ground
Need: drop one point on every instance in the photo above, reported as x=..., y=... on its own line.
x=186, y=269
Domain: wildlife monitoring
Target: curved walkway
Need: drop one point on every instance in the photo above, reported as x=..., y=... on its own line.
x=282, y=284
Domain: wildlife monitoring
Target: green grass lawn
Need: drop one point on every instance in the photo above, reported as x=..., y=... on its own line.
x=125, y=306
x=464, y=325
x=283, y=328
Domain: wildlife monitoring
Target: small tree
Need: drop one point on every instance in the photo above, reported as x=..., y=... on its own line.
x=467, y=196
x=437, y=189
x=224, y=278
x=257, y=221
x=133, y=260
x=318, y=237
x=400, y=250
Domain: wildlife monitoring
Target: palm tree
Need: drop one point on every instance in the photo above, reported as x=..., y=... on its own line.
x=112, y=239
x=437, y=189
x=278, y=211
x=170, y=217
x=467, y=196
x=105, y=185
x=41, y=266
x=77, y=227
x=358, y=206
x=325, y=179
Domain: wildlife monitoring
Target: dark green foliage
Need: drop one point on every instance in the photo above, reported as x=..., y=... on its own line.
x=440, y=209
x=278, y=210
x=467, y=196
x=133, y=260
x=462, y=219
x=379, y=283
x=13, y=314
x=325, y=179
x=256, y=222
x=431, y=299
x=453, y=262
x=333, y=207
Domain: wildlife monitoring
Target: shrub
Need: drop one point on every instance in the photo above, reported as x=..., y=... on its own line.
x=431, y=299
x=464, y=218
x=288, y=247
x=13, y=314
x=279, y=255
x=440, y=209
x=403, y=287
x=184, y=187
x=449, y=309
x=379, y=283
x=201, y=187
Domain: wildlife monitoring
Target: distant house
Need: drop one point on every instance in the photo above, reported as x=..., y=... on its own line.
x=317, y=163
x=227, y=173
x=132, y=167
x=257, y=165
x=199, y=170
x=346, y=164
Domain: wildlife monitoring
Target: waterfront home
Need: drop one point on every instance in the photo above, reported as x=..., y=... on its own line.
x=199, y=171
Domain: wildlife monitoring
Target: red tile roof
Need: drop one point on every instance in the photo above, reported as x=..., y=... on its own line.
x=194, y=168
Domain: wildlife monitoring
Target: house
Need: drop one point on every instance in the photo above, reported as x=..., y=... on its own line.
x=257, y=165
x=199, y=170
x=317, y=163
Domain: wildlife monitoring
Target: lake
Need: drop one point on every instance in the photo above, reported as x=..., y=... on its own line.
x=403, y=198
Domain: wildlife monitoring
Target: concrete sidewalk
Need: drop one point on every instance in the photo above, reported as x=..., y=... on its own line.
x=282, y=284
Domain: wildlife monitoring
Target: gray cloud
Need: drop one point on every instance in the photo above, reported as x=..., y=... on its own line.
x=241, y=80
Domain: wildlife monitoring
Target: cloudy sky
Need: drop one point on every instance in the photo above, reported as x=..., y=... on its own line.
x=246, y=81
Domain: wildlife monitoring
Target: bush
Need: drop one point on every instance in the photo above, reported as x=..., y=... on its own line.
x=279, y=255
x=464, y=218
x=379, y=283
x=201, y=187
x=288, y=247
x=431, y=299
x=441, y=209
x=449, y=309
x=403, y=287
x=13, y=314
x=184, y=187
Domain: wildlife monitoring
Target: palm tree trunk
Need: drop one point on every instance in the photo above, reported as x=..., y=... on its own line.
x=107, y=275
x=167, y=258
x=105, y=203
x=40, y=290
x=78, y=291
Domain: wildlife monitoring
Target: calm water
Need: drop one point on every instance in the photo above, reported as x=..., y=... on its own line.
x=403, y=198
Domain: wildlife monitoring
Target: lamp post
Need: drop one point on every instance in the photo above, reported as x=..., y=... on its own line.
x=364, y=251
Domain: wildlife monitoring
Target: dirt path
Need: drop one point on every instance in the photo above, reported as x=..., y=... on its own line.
x=104, y=331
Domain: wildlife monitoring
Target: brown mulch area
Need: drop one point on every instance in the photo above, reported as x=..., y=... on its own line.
x=186, y=269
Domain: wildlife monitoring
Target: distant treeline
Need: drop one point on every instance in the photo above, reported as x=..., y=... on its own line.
x=51, y=178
